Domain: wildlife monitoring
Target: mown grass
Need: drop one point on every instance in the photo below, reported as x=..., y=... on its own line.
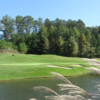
x=28, y=66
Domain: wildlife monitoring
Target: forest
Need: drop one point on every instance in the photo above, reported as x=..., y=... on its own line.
x=26, y=35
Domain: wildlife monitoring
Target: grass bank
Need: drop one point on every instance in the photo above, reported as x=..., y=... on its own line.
x=31, y=66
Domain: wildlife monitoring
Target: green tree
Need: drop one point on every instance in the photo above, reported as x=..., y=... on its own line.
x=83, y=45
x=59, y=45
x=8, y=25
x=65, y=48
x=71, y=24
x=98, y=51
x=80, y=25
x=98, y=45
x=72, y=47
x=20, y=25
x=47, y=23
x=76, y=33
x=6, y=46
x=52, y=38
x=43, y=44
x=90, y=51
x=23, y=48
x=28, y=24
x=32, y=44
x=88, y=35
x=16, y=39
x=40, y=23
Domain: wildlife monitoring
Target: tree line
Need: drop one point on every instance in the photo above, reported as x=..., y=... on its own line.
x=61, y=37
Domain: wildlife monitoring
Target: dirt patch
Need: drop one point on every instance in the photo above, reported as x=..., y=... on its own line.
x=60, y=67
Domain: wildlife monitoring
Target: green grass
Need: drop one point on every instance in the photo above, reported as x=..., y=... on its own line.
x=28, y=66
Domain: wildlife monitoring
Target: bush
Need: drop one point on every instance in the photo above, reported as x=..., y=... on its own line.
x=23, y=48
x=7, y=47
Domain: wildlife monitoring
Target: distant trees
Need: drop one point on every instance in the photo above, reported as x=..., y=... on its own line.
x=67, y=38
x=73, y=47
x=8, y=25
x=23, y=48
x=19, y=23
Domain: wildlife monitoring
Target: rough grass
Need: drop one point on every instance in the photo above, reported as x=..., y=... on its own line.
x=28, y=66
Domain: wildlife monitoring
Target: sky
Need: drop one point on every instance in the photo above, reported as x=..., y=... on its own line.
x=86, y=10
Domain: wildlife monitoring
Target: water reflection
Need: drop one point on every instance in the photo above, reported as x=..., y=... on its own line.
x=22, y=89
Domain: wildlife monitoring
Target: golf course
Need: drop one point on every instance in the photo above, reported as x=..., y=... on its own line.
x=20, y=66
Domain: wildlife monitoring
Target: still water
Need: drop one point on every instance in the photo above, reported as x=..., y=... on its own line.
x=22, y=89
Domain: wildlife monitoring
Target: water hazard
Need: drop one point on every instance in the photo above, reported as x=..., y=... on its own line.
x=22, y=89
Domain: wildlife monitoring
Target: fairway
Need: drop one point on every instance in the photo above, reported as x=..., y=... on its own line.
x=22, y=66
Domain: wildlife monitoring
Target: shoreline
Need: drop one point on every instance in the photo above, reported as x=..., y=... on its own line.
x=46, y=77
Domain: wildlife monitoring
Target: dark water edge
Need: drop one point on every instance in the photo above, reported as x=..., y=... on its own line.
x=22, y=89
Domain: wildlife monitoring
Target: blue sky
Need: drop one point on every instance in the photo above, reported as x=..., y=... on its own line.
x=86, y=10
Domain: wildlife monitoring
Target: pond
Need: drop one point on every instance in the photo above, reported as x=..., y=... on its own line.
x=22, y=89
